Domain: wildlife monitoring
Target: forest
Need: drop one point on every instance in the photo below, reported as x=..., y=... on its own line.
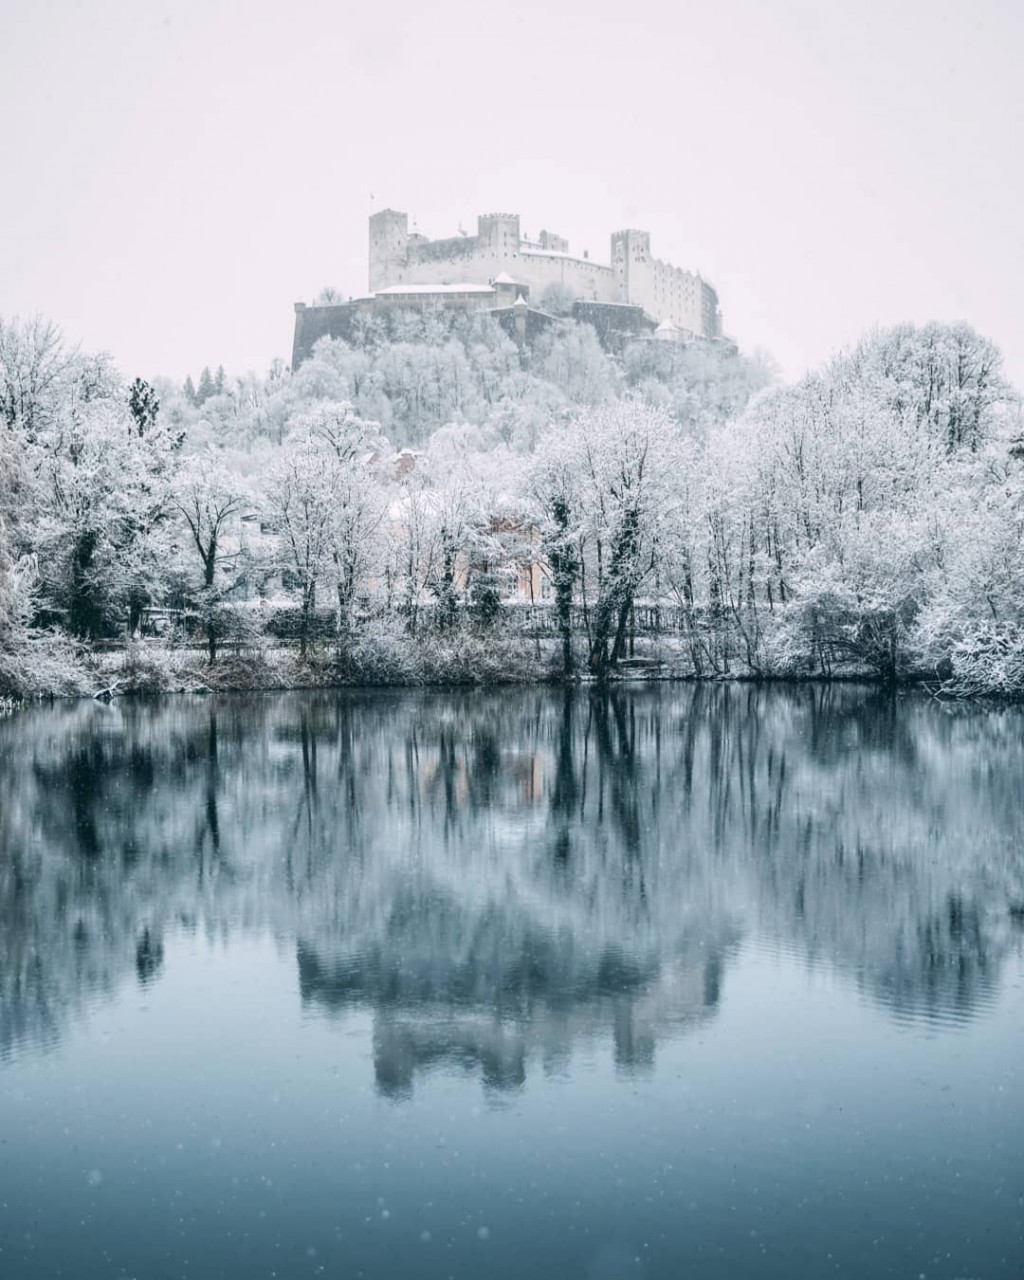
x=434, y=503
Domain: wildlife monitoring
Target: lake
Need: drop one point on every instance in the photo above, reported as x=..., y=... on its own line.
x=709, y=981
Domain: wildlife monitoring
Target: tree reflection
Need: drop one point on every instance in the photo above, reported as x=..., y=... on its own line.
x=498, y=877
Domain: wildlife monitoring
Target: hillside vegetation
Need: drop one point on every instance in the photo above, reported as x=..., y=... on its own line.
x=433, y=502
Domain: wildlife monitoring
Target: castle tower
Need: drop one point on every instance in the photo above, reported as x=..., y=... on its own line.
x=389, y=243
x=498, y=235
x=631, y=258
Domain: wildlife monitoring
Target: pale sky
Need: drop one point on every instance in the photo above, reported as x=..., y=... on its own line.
x=175, y=174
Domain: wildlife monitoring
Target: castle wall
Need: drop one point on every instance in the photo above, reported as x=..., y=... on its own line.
x=455, y=249
x=665, y=292
x=591, y=280
x=633, y=277
x=456, y=301
x=674, y=294
x=339, y=320
x=558, y=244
x=346, y=320
x=521, y=324
x=467, y=261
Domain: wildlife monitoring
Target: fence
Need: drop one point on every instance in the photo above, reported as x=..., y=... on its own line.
x=538, y=620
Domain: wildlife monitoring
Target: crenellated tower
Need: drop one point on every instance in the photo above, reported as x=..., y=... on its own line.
x=631, y=256
x=498, y=234
x=389, y=247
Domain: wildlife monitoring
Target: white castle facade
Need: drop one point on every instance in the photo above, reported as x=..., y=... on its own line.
x=674, y=298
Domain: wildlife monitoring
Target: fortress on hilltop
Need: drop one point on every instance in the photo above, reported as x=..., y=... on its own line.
x=503, y=271
x=666, y=293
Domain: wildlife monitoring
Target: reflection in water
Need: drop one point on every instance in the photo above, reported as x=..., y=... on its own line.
x=499, y=877
x=490, y=1009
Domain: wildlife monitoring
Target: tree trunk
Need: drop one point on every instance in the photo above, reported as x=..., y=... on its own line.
x=83, y=613
x=616, y=597
x=564, y=570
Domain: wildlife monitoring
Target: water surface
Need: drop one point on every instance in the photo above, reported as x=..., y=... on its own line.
x=711, y=982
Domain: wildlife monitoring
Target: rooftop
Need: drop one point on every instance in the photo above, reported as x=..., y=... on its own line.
x=565, y=257
x=465, y=287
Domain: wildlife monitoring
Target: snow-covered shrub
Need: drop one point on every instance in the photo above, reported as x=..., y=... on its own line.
x=989, y=661
x=146, y=668
x=47, y=664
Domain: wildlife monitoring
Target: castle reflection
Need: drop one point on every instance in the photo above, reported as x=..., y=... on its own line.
x=492, y=1012
x=500, y=878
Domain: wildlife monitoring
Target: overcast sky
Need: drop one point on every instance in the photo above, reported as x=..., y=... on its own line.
x=173, y=176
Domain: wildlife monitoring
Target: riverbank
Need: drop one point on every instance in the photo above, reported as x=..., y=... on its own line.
x=150, y=666
x=459, y=659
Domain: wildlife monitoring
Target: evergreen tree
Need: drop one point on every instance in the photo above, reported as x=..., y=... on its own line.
x=144, y=405
x=190, y=390
x=218, y=384
x=206, y=386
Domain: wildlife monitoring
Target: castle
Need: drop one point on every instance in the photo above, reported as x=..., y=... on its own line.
x=502, y=271
x=667, y=294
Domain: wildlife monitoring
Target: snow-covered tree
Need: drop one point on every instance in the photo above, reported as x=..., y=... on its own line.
x=556, y=492
x=355, y=447
x=104, y=495
x=16, y=581
x=625, y=460
x=36, y=372
x=209, y=500
x=299, y=501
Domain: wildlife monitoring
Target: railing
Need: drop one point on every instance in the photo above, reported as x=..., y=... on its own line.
x=285, y=620
x=540, y=619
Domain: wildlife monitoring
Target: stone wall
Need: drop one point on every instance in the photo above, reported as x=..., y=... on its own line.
x=340, y=320
x=348, y=320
